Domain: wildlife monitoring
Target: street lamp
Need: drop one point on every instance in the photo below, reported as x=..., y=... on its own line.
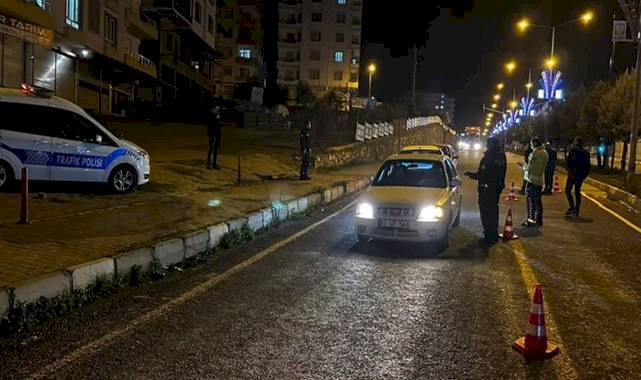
x=371, y=69
x=514, y=104
x=511, y=66
x=497, y=97
x=524, y=24
x=551, y=63
x=494, y=105
x=500, y=86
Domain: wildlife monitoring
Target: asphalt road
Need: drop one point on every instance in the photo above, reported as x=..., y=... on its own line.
x=318, y=305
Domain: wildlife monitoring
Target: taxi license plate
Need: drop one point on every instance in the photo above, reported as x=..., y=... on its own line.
x=390, y=223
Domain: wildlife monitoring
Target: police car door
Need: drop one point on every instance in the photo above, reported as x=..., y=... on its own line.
x=24, y=139
x=80, y=150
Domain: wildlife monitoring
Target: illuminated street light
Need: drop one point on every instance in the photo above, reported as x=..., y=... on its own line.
x=514, y=104
x=551, y=63
x=523, y=25
x=529, y=85
x=371, y=69
x=497, y=97
x=587, y=17
x=510, y=67
x=494, y=105
x=500, y=86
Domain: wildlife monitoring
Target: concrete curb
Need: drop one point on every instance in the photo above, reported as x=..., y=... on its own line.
x=164, y=253
x=85, y=274
x=613, y=192
x=143, y=257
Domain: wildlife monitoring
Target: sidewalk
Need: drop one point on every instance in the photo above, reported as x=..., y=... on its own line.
x=72, y=228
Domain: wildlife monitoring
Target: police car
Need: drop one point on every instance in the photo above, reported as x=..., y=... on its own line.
x=57, y=141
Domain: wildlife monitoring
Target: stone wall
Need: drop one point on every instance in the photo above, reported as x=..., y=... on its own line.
x=380, y=149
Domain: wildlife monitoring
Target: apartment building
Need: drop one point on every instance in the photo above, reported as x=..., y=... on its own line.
x=239, y=40
x=436, y=103
x=319, y=44
x=110, y=56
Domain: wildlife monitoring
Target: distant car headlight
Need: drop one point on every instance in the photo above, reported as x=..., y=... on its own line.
x=430, y=214
x=365, y=211
x=465, y=146
x=477, y=146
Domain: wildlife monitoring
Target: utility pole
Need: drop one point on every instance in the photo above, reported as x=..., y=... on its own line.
x=632, y=11
x=414, y=79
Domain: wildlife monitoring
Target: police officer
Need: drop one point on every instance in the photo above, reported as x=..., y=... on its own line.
x=491, y=178
x=550, y=168
x=305, y=150
x=213, y=134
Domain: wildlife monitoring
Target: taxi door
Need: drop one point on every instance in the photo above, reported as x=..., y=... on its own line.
x=80, y=150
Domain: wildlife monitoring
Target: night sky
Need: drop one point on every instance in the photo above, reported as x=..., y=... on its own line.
x=464, y=48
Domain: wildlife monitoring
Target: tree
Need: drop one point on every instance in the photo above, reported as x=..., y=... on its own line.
x=615, y=111
x=589, y=124
x=304, y=94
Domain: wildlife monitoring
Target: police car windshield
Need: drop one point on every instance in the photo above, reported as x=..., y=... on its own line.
x=411, y=173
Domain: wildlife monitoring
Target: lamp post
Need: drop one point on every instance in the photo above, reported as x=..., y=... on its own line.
x=371, y=69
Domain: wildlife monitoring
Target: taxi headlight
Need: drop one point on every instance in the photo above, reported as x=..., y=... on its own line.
x=365, y=211
x=430, y=214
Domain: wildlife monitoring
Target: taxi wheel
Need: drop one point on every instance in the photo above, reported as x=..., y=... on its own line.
x=6, y=176
x=123, y=179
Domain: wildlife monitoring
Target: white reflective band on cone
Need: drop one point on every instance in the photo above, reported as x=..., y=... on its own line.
x=537, y=331
x=536, y=309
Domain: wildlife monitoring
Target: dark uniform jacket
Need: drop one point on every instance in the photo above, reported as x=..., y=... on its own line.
x=491, y=173
x=579, y=162
x=305, y=140
x=214, y=129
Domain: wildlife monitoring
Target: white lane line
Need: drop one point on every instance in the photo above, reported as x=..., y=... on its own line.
x=106, y=340
x=613, y=213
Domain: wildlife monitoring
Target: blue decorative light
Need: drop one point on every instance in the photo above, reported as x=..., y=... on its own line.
x=551, y=84
x=527, y=107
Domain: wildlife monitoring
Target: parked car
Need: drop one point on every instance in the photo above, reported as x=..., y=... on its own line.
x=421, y=149
x=57, y=141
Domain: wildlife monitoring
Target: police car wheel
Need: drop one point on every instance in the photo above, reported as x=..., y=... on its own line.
x=122, y=179
x=6, y=176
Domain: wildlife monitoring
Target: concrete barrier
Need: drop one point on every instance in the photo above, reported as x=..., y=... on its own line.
x=5, y=302
x=85, y=274
x=303, y=204
x=280, y=213
x=327, y=196
x=216, y=234
x=48, y=286
x=268, y=217
x=196, y=243
x=169, y=252
x=292, y=208
x=236, y=224
x=142, y=257
x=314, y=200
x=255, y=221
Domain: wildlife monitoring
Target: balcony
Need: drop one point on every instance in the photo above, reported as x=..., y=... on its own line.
x=292, y=20
x=193, y=74
x=175, y=9
x=357, y=4
x=36, y=12
x=356, y=41
x=290, y=39
x=288, y=79
x=140, y=63
x=140, y=28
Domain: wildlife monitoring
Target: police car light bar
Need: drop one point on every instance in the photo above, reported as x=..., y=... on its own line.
x=35, y=90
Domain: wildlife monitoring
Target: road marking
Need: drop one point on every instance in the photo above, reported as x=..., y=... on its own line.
x=530, y=279
x=106, y=340
x=613, y=213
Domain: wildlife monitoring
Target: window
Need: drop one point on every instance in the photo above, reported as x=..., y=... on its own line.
x=315, y=36
x=169, y=42
x=243, y=73
x=93, y=19
x=338, y=56
x=338, y=75
x=356, y=40
x=314, y=55
x=111, y=30
x=210, y=25
x=244, y=53
x=340, y=18
x=317, y=17
x=228, y=71
x=341, y=2
x=353, y=77
x=73, y=14
x=340, y=37
x=356, y=21
x=451, y=171
x=32, y=118
x=198, y=12
x=314, y=74
x=74, y=127
x=411, y=173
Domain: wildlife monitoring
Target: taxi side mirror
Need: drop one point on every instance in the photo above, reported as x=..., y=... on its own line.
x=456, y=182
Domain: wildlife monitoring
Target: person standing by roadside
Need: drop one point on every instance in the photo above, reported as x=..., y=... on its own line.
x=578, y=170
x=550, y=168
x=534, y=173
x=214, y=135
x=491, y=178
x=526, y=157
x=305, y=150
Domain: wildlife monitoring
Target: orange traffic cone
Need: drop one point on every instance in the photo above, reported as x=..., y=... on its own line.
x=508, y=232
x=557, y=187
x=534, y=345
x=512, y=195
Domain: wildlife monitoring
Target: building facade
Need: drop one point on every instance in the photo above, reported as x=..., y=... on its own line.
x=437, y=104
x=320, y=45
x=240, y=41
x=111, y=57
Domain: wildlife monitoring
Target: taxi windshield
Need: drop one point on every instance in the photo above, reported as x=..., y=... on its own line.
x=412, y=173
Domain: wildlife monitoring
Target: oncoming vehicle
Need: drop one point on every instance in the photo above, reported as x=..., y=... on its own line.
x=414, y=198
x=57, y=141
x=421, y=149
x=448, y=150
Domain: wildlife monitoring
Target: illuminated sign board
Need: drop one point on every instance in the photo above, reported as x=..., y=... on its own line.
x=26, y=31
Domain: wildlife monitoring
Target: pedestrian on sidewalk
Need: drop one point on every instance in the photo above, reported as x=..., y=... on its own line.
x=214, y=133
x=550, y=167
x=305, y=150
x=526, y=157
x=534, y=173
x=491, y=178
x=578, y=170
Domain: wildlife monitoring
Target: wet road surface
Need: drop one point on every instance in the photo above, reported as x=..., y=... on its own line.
x=323, y=306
